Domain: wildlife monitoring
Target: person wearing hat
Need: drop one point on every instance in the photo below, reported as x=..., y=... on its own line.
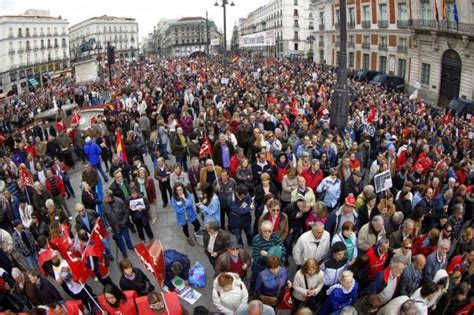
x=25, y=243
x=353, y=185
x=345, y=213
x=235, y=260
x=330, y=190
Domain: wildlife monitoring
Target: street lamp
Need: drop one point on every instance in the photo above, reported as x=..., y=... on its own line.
x=223, y=5
x=340, y=104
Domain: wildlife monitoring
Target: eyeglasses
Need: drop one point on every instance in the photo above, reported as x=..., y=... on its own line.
x=267, y=231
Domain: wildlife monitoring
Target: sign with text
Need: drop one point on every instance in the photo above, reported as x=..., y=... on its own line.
x=266, y=38
x=383, y=181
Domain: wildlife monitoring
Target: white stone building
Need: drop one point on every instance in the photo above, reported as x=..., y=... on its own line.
x=31, y=44
x=120, y=32
x=280, y=28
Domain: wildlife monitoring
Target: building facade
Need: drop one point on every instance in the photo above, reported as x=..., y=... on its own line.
x=120, y=32
x=280, y=28
x=188, y=35
x=403, y=38
x=31, y=44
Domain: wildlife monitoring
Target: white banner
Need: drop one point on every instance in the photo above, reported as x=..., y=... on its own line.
x=383, y=181
x=215, y=42
x=266, y=38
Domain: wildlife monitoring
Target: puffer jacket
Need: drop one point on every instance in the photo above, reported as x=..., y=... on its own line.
x=228, y=302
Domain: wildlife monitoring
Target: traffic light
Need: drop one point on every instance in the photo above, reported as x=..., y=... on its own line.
x=111, y=54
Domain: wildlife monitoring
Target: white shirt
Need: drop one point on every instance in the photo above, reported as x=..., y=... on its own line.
x=212, y=240
x=71, y=284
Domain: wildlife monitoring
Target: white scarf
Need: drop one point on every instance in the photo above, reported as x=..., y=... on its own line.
x=339, y=286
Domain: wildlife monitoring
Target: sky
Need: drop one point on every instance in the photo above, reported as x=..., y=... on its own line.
x=146, y=12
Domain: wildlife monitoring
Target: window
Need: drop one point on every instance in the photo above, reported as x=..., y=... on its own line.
x=402, y=12
x=365, y=61
x=296, y=36
x=42, y=44
x=296, y=23
x=295, y=2
x=296, y=46
x=49, y=43
x=351, y=60
x=426, y=11
x=402, y=66
x=337, y=17
x=366, y=13
x=383, y=12
x=295, y=12
x=10, y=32
x=383, y=41
x=366, y=39
x=383, y=64
x=27, y=32
x=425, y=73
x=321, y=18
x=351, y=40
x=403, y=42
x=351, y=17
x=56, y=43
x=321, y=56
x=19, y=33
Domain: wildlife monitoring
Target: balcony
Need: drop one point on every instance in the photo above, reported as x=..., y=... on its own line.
x=366, y=24
x=10, y=36
x=21, y=50
x=351, y=44
x=296, y=39
x=402, y=48
x=337, y=26
x=28, y=49
x=311, y=28
x=35, y=48
x=365, y=45
x=321, y=27
x=11, y=51
x=382, y=23
x=351, y=24
x=403, y=23
x=382, y=46
x=443, y=26
x=43, y=48
x=296, y=25
x=337, y=43
x=321, y=44
x=64, y=45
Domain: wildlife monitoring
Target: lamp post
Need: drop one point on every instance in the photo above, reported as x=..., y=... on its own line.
x=340, y=104
x=223, y=5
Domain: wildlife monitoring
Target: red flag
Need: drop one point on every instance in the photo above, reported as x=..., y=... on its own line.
x=120, y=147
x=436, y=11
x=152, y=258
x=235, y=58
x=25, y=176
x=294, y=107
x=79, y=271
x=372, y=114
x=98, y=234
x=44, y=256
x=205, y=149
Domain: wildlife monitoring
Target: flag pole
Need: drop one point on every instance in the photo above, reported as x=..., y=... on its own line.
x=92, y=298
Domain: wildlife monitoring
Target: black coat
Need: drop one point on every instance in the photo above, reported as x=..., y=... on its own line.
x=140, y=284
x=89, y=199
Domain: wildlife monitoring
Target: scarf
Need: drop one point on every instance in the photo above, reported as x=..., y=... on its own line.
x=141, y=183
x=339, y=286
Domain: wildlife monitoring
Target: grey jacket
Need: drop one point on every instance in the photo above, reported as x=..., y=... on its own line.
x=410, y=281
x=117, y=214
x=21, y=246
x=432, y=266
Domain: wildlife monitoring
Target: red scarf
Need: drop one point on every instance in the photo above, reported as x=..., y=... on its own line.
x=276, y=225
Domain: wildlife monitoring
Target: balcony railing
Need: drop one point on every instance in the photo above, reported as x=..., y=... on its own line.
x=28, y=48
x=402, y=48
x=296, y=25
x=64, y=45
x=336, y=25
x=403, y=23
x=382, y=23
x=10, y=36
x=21, y=50
x=321, y=27
x=337, y=43
x=311, y=28
x=365, y=45
x=11, y=51
x=321, y=44
x=351, y=24
x=35, y=48
x=296, y=38
x=382, y=46
x=366, y=24
x=445, y=26
x=351, y=44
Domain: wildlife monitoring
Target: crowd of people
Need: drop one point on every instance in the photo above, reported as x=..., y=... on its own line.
x=294, y=215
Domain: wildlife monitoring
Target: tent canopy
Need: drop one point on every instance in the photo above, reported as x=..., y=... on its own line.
x=461, y=106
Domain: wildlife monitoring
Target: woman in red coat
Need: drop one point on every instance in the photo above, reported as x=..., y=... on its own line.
x=116, y=302
x=155, y=303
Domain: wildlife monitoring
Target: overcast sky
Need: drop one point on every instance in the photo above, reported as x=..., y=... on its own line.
x=146, y=12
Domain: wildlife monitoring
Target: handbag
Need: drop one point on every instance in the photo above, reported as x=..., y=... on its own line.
x=310, y=301
x=271, y=300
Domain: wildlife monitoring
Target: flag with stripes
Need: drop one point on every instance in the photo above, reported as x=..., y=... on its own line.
x=205, y=149
x=120, y=147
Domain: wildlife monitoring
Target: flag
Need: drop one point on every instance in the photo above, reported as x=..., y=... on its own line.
x=44, y=256
x=25, y=176
x=205, y=149
x=79, y=271
x=153, y=259
x=455, y=13
x=98, y=234
x=372, y=114
x=436, y=11
x=120, y=147
x=235, y=58
x=414, y=95
x=76, y=118
x=445, y=10
x=294, y=107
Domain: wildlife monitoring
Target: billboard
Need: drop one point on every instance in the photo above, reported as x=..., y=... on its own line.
x=266, y=38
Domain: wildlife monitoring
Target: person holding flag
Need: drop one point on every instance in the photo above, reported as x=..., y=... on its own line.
x=93, y=257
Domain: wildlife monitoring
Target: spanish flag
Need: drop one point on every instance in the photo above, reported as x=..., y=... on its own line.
x=235, y=58
x=120, y=148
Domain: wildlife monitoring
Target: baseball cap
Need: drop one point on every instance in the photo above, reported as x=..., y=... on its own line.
x=350, y=200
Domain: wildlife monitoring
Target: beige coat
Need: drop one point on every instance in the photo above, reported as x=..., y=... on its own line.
x=366, y=239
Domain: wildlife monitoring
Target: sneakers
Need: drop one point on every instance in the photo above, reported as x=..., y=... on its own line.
x=190, y=241
x=153, y=221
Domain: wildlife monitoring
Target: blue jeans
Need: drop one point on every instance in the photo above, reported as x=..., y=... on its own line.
x=247, y=229
x=123, y=234
x=101, y=171
x=32, y=261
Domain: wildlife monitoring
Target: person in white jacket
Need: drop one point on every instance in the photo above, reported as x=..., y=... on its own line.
x=312, y=244
x=307, y=284
x=229, y=293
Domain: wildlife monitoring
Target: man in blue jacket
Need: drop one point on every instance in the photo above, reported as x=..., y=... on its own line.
x=92, y=151
x=176, y=264
x=240, y=218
